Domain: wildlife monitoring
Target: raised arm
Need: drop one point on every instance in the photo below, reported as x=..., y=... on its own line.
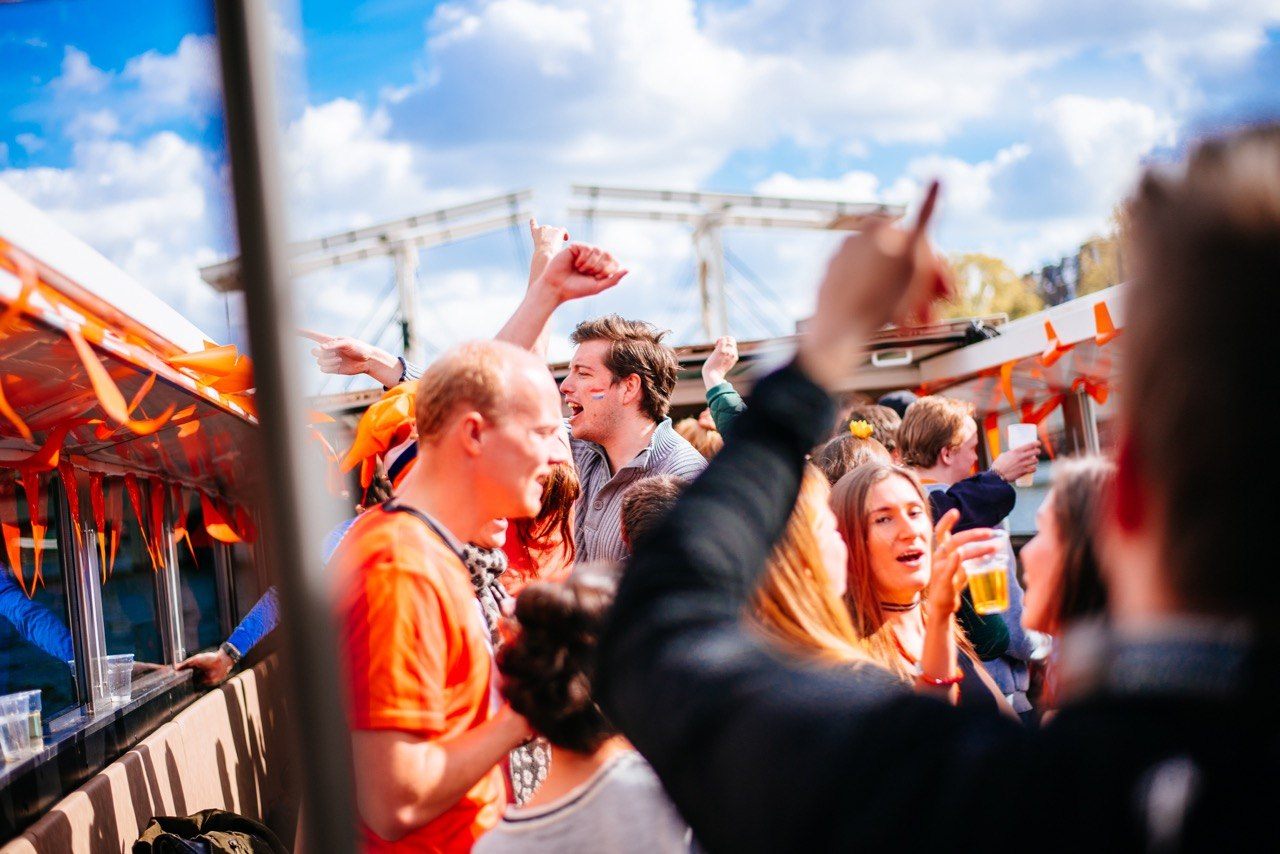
x=575, y=272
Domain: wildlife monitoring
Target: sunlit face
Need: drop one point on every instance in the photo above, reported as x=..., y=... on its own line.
x=835, y=556
x=899, y=534
x=592, y=394
x=519, y=450
x=492, y=536
x=964, y=456
x=1042, y=562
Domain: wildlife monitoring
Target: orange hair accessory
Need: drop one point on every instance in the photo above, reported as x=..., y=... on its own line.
x=387, y=423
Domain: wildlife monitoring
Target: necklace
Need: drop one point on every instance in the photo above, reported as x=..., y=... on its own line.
x=899, y=608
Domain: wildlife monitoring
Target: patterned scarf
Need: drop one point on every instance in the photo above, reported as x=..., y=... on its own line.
x=527, y=764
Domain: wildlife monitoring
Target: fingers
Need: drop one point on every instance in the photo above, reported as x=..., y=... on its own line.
x=943, y=529
x=978, y=549
x=614, y=279
x=533, y=227
x=921, y=227
x=971, y=536
x=318, y=337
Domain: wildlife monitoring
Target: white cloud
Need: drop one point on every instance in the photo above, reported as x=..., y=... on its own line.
x=151, y=207
x=184, y=83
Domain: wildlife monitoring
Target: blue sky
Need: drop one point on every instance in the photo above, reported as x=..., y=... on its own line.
x=1036, y=115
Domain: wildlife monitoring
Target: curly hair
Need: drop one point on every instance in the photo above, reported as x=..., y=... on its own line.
x=548, y=666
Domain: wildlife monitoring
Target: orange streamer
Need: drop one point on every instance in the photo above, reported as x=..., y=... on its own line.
x=97, y=504
x=109, y=393
x=157, y=521
x=215, y=361
x=13, y=535
x=135, y=498
x=25, y=269
x=35, y=510
x=73, y=498
x=1006, y=382
x=115, y=517
x=991, y=426
x=215, y=523
x=12, y=415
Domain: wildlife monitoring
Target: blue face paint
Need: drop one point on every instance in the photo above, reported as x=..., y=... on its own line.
x=597, y=396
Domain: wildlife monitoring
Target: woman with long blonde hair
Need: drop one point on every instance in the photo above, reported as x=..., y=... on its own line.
x=904, y=582
x=798, y=603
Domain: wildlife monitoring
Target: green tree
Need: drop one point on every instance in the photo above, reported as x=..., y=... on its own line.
x=987, y=285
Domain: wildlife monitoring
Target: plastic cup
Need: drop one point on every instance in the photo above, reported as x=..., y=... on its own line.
x=21, y=726
x=989, y=576
x=119, y=678
x=1019, y=435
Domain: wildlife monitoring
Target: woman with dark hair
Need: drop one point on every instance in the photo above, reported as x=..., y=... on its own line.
x=1060, y=563
x=541, y=548
x=600, y=795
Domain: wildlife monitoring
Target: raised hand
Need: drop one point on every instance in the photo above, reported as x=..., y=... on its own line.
x=720, y=362
x=1016, y=462
x=348, y=357
x=547, y=237
x=947, y=578
x=881, y=274
x=580, y=271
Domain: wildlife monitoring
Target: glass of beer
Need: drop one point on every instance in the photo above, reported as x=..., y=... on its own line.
x=1019, y=435
x=989, y=576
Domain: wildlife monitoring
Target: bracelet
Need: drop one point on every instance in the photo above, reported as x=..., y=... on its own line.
x=232, y=653
x=946, y=682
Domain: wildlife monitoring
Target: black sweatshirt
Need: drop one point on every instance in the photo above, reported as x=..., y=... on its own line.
x=762, y=753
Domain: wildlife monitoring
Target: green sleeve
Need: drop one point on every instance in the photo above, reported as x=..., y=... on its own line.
x=725, y=404
x=989, y=634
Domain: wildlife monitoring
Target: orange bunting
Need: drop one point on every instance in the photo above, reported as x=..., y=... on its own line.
x=244, y=525
x=142, y=392
x=12, y=535
x=215, y=361
x=1107, y=331
x=239, y=379
x=991, y=426
x=97, y=504
x=12, y=415
x=72, y=489
x=1053, y=352
x=157, y=522
x=215, y=523
x=35, y=510
x=115, y=518
x=29, y=280
x=183, y=414
x=1006, y=382
x=46, y=458
x=135, y=498
x=188, y=429
x=109, y=393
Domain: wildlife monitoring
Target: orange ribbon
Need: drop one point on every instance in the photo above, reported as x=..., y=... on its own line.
x=1107, y=331
x=25, y=269
x=12, y=532
x=1006, y=382
x=109, y=393
x=97, y=504
x=991, y=426
x=1099, y=390
x=35, y=510
x=72, y=489
x=132, y=486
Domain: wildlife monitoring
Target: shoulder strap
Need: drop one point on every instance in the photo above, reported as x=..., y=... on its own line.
x=393, y=506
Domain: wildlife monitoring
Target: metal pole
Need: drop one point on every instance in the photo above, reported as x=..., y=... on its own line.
x=407, y=285
x=289, y=476
x=84, y=595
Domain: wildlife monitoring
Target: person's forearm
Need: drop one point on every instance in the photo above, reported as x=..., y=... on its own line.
x=938, y=658
x=426, y=778
x=537, y=264
x=383, y=367
x=725, y=404
x=529, y=326
x=258, y=623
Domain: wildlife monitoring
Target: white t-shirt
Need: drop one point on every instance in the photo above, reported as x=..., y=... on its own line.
x=621, y=809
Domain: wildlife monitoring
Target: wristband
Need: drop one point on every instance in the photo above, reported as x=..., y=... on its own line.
x=232, y=653
x=946, y=682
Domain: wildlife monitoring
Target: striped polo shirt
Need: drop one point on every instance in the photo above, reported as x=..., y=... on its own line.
x=598, y=516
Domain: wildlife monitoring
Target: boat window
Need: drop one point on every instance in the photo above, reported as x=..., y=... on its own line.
x=249, y=583
x=197, y=576
x=129, y=592
x=35, y=642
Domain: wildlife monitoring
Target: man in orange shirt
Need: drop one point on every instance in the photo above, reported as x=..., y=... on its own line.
x=428, y=731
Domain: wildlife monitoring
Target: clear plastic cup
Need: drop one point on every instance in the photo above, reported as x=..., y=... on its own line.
x=989, y=576
x=21, y=725
x=1019, y=435
x=119, y=678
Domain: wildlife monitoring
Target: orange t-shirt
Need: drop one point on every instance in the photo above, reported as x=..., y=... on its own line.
x=417, y=657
